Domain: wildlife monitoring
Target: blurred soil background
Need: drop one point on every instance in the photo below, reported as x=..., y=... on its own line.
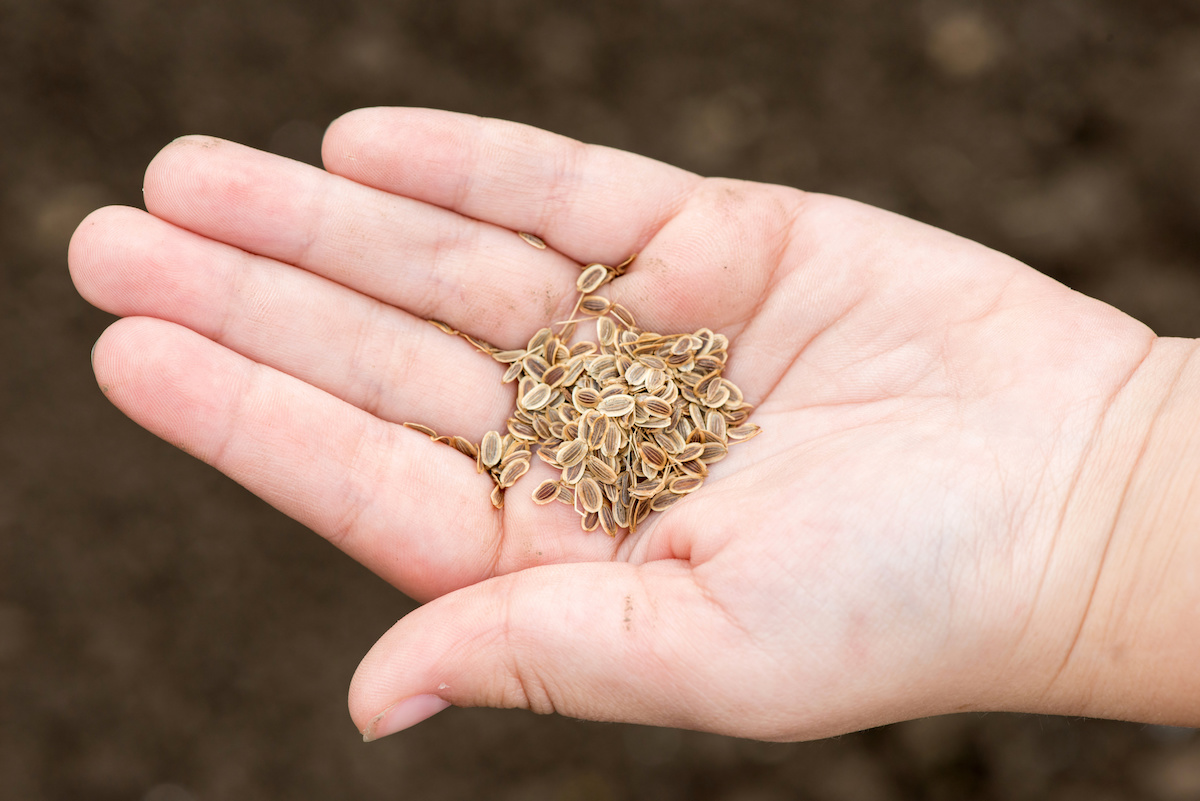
x=165, y=636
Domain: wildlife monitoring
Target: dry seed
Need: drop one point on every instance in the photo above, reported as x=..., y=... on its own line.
x=445, y=329
x=566, y=494
x=607, y=520
x=537, y=397
x=590, y=521
x=521, y=430
x=664, y=501
x=489, y=449
x=715, y=423
x=571, y=475
x=695, y=467
x=685, y=484
x=690, y=451
x=555, y=375
x=606, y=332
x=420, y=429
x=596, y=433
x=594, y=304
x=655, y=407
x=592, y=277
x=571, y=453
x=714, y=452
x=588, y=493
x=613, y=440
x=743, y=432
x=498, y=496
x=513, y=471
x=622, y=314
x=532, y=239
x=545, y=492
x=464, y=446
x=601, y=471
x=652, y=455
x=508, y=356
x=616, y=405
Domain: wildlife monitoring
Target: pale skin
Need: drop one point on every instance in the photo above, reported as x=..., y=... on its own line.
x=973, y=489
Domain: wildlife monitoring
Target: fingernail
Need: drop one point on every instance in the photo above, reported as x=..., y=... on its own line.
x=401, y=715
x=93, y=356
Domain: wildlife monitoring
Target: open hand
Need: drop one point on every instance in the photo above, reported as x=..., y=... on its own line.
x=885, y=548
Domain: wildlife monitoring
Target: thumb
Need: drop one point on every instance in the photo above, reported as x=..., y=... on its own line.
x=611, y=642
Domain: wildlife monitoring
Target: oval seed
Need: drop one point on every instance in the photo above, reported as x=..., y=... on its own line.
x=616, y=406
x=715, y=423
x=571, y=453
x=606, y=332
x=513, y=471
x=664, y=501
x=652, y=455
x=546, y=492
x=532, y=239
x=508, y=356
x=592, y=277
x=489, y=449
x=601, y=471
x=588, y=493
x=594, y=304
x=612, y=443
x=571, y=475
x=537, y=397
x=685, y=484
x=690, y=451
x=607, y=521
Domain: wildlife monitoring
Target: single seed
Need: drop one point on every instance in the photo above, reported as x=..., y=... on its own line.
x=588, y=492
x=537, y=397
x=532, y=239
x=420, y=429
x=592, y=277
x=489, y=449
x=546, y=492
x=616, y=405
x=571, y=453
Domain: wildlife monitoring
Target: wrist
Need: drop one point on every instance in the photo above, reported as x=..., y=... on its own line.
x=1122, y=584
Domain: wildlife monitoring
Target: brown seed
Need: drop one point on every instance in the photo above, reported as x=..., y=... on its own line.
x=606, y=332
x=695, y=468
x=584, y=398
x=571, y=453
x=420, y=429
x=743, y=432
x=664, y=501
x=508, y=356
x=555, y=375
x=601, y=471
x=616, y=406
x=685, y=484
x=464, y=446
x=489, y=449
x=445, y=329
x=652, y=455
x=590, y=521
x=690, y=451
x=588, y=493
x=592, y=277
x=613, y=440
x=546, y=492
x=571, y=475
x=535, y=365
x=532, y=239
x=622, y=314
x=607, y=521
x=597, y=432
x=537, y=397
x=566, y=494
x=715, y=423
x=655, y=407
x=521, y=430
x=513, y=471
x=714, y=452
x=594, y=304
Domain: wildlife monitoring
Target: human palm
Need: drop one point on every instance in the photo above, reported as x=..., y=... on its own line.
x=883, y=550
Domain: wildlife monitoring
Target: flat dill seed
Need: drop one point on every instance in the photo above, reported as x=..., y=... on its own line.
x=532, y=239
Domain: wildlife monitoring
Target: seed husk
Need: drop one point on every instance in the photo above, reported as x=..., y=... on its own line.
x=592, y=277
x=546, y=492
x=532, y=239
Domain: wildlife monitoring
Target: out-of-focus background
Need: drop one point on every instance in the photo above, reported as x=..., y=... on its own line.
x=165, y=636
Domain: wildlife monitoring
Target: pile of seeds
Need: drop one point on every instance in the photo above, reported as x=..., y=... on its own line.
x=632, y=421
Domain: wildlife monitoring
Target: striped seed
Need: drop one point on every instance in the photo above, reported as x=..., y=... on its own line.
x=546, y=492
x=592, y=277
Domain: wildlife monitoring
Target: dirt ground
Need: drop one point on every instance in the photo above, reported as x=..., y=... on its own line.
x=165, y=636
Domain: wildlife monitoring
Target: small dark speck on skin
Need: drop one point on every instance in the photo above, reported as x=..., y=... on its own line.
x=628, y=612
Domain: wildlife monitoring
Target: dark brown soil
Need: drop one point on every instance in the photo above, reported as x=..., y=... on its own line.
x=165, y=636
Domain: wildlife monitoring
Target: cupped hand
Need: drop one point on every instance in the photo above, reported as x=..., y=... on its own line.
x=886, y=548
